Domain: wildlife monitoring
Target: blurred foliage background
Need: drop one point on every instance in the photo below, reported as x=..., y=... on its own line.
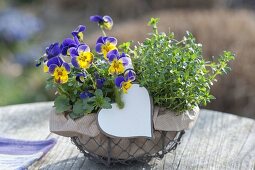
x=27, y=27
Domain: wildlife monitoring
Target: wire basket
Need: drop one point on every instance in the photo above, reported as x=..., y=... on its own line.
x=112, y=151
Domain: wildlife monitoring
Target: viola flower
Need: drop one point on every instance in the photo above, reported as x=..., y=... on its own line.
x=105, y=44
x=81, y=77
x=78, y=33
x=114, y=54
x=105, y=22
x=123, y=83
x=85, y=94
x=58, y=69
x=81, y=56
x=117, y=62
x=53, y=50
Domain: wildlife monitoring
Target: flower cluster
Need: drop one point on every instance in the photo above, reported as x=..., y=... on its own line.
x=80, y=72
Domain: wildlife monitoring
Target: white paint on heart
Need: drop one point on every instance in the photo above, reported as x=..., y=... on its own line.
x=134, y=120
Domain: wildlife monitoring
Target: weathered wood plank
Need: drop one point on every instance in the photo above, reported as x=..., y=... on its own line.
x=218, y=141
x=25, y=121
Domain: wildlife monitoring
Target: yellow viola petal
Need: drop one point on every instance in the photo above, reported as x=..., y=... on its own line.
x=116, y=67
x=107, y=25
x=84, y=59
x=60, y=75
x=45, y=68
x=80, y=35
x=126, y=85
x=106, y=48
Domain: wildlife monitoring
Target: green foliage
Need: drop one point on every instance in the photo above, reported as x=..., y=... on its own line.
x=78, y=110
x=99, y=101
x=174, y=72
x=62, y=104
x=90, y=105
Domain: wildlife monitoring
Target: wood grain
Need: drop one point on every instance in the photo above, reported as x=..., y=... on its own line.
x=218, y=141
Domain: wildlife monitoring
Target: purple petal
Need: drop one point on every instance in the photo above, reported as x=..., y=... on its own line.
x=52, y=68
x=67, y=67
x=125, y=60
x=68, y=41
x=112, y=40
x=99, y=48
x=83, y=48
x=130, y=75
x=74, y=62
x=80, y=28
x=113, y=54
x=108, y=19
x=119, y=80
x=101, y=40
x=66, y=44
x=100, y=82
x=73, y=52
x=85, y=94
x=76, y=39
x=122, y=55
x=96, y=18
x=55, y=60
x=53, y=50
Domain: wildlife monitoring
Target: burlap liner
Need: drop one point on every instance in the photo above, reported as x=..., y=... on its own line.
x=86, y=127
x=166, y=120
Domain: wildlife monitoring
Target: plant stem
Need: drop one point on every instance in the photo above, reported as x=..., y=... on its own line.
x=180, y=41
x=62, y=91
x=118, y=99
x=103, y=31
x=89, y=75
x=96, y=67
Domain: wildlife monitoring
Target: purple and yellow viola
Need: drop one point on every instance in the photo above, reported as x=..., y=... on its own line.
x=117, y=62
x=105, y=45
x=81, y=57
x=78, y=33
x=80, y=77
x=105, y=22
x=123, y=83
x=58, y=69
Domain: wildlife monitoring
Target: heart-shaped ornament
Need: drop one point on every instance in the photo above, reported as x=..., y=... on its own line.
x=134, y=120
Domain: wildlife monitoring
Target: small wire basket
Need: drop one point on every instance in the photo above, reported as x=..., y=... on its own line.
x=111, y=151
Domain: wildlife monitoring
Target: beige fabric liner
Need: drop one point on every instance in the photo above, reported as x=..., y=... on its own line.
x=86, y=127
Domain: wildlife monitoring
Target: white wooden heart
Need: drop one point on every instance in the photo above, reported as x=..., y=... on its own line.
x=134, y=120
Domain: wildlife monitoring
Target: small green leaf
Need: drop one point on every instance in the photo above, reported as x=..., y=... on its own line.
x=106, y=104
x=153, y=22
x=98, y=92
x=62, y=104
x=78, y=107
x=88, y=106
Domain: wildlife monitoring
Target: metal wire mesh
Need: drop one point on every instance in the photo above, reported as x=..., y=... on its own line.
x=111, y=151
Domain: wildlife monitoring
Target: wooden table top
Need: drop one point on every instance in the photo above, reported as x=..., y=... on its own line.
x=218, y=141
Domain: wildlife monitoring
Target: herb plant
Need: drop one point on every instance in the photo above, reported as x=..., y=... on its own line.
x=174, y=72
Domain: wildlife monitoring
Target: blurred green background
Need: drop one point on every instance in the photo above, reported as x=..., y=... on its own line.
x=27, y=27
